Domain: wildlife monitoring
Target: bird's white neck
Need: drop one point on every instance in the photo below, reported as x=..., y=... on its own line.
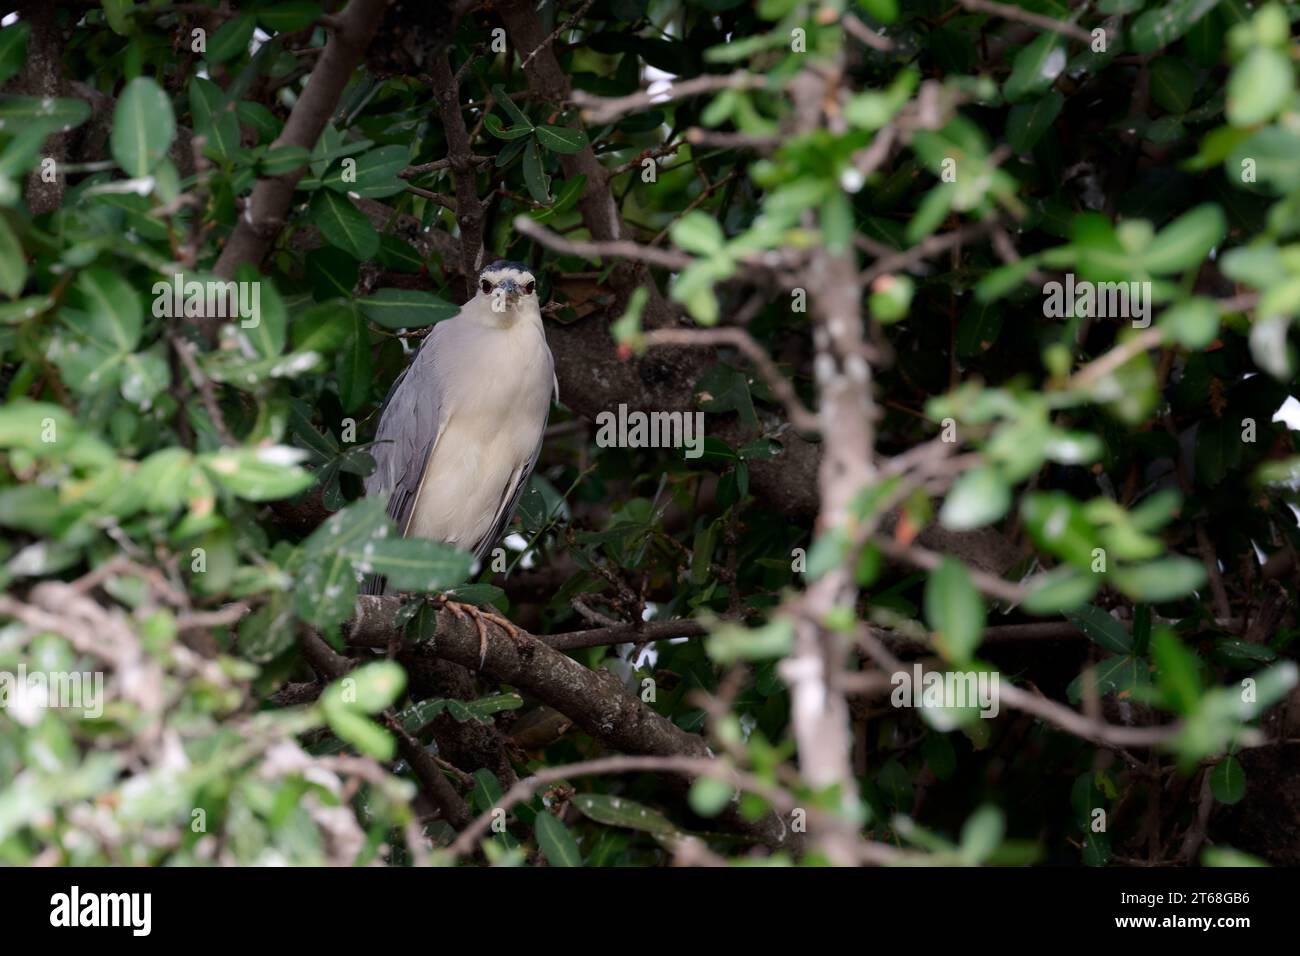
x=523, y=312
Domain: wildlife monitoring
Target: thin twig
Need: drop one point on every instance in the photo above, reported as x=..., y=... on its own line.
x=568, y=25
x=204, y=385
x=1037, y=20
x=738, y=338
x=600, y=109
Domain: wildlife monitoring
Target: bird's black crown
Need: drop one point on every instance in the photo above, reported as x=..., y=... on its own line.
x=504, y=264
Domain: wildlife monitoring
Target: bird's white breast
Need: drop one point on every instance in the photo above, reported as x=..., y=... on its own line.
x=495, y=401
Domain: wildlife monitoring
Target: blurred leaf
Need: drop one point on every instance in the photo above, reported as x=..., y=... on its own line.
x=1228, y=781
x=977, y=498
x=1163, y=24
x=954, y=610
x=143, y=127
x=1186, y=241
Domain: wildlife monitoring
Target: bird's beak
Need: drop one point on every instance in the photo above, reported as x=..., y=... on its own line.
x=511, y=290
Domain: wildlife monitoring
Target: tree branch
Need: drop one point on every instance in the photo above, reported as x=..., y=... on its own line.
x=263, y=216
x=596, y=701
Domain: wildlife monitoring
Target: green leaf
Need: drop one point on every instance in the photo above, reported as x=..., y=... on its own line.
x=1035, y=67
x=368, y=689
x=621, y=812
x=343, y=225
x=374, y=175
x=144, y=376
x=492, y=123
x=515, y=113
x=405, y=308
x=288, y=16
x=354, y=367
x=283, y=160
x=323, y=328
x=1164, y=23
x=143, y=127
x=63, y=113
x=269, y=324
x=1177, y=671
x=954, y=610
x=886, y=11
x=1187, y=240
x=413, y=564
x=1057, y=524
x=1027, y=122
x=566, y=198
x=1173, y=84
x=556, y=842
x=1193, y=324
x=891, y=298
x=479, y=593
x=981, y=835
x=1061, y=589
x=485, y=707
x=694, y=288
x=709, y=796
x=1260, y=86
x=731, y=642
x=1003, y=279
x=1118, y=674
x=978, y=497
x=1102, y=629
x=13, y=261
x=1228, y=780
x=535, y=178
x=1221, y=856
x=698, y=233
x=1271, y=152
x=562, y=139
x=258, y=474
x=206, y=100
x=231, y=39
x=359, y=522
x=362, y=733
x=21, y=310
x=107, y=309
x=1162, y=580
x=13, y=49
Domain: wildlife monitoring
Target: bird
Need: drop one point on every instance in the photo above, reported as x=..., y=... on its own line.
x=461, y=428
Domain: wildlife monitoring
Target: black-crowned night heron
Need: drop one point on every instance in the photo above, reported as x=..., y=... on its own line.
x=462, y=427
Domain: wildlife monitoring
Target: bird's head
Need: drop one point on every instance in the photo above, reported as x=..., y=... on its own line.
x=507, y=286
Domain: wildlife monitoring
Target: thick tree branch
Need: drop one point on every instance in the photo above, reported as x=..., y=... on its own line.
x=332, y=665
x=263, y=216
x=596, y=701
x=469, y=210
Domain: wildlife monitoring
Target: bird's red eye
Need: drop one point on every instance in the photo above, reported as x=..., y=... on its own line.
x=529, y=287
x=485, y=285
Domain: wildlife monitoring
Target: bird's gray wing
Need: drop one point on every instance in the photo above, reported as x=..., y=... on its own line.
x=408, y=429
